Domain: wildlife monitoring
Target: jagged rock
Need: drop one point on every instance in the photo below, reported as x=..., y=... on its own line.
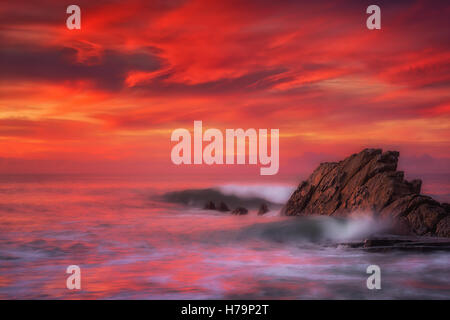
x=443, y=227
x=369, y=183
x=210, y=206
x=223, y=207
x=420, y=213
x=239, y=211
x=263, y=209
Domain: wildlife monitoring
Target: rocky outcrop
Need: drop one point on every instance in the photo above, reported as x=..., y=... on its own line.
x=223, y=207
x=368, y=183
x=210, y=206
x=263, y=209
x=240, y=211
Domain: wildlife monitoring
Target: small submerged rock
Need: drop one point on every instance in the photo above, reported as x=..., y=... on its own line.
x=223, y=207
x=210, y=206
x=240, y=211
x=263, y=209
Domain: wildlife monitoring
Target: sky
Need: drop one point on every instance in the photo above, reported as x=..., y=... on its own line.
x=106, y=98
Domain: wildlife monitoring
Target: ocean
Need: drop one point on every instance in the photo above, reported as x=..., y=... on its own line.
x=131, y=242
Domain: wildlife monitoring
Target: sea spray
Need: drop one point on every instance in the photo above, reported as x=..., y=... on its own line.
x=314, y=229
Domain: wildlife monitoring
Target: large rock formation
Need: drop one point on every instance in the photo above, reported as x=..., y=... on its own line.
x=368, y=183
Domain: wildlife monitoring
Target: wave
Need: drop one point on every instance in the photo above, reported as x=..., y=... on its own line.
x=198, y=198
x=273, y=193
x=249, y=196
x=314, y=229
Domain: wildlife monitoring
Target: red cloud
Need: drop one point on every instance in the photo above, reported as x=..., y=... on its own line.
x=138, y=69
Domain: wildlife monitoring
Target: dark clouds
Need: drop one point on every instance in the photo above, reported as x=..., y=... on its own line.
x=138, y=69
x=60, y=64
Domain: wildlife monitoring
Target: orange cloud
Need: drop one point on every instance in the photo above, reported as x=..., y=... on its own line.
x=114, y=90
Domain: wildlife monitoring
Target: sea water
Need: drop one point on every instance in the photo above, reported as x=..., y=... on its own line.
x=132, y=244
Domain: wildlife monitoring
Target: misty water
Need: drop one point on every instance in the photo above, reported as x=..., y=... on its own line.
x=132, y=244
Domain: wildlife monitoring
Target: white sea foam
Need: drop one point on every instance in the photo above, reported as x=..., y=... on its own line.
x=272, y=193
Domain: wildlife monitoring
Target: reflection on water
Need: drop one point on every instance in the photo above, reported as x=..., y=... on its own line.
x=130, y=245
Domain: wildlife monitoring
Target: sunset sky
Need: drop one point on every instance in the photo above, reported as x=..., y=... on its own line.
x=106, y=98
